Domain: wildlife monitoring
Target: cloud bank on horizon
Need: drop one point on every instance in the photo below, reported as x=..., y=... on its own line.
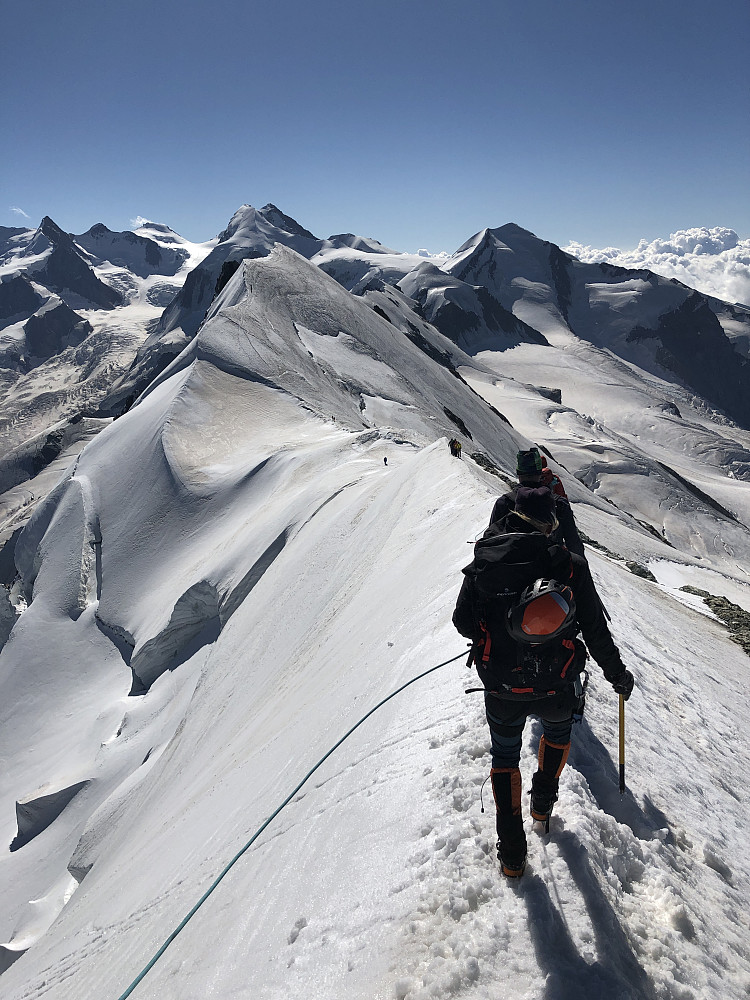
x=715, y=261
x=441, y=255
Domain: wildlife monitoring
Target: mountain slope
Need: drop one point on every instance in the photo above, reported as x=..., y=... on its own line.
x=72, y=316
x=226, y=581
x=134, y=251
x=251, y=232
x=662, y=326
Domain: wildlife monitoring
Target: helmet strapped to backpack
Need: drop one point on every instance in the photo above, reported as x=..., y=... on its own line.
x=545, y=611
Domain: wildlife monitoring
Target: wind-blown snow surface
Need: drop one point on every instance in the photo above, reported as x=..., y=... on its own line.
x=228, y=578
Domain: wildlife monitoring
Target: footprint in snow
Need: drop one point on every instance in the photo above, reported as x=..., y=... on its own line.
x=298, y=926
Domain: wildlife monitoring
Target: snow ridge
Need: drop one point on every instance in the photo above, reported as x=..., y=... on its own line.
x=214, y=586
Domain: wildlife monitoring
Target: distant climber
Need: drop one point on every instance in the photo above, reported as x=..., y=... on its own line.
x=523, y=601
x=385, y=460
x=455, y=447
x=532, y=470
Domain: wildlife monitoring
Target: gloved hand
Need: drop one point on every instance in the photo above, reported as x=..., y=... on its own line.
x=623, y=683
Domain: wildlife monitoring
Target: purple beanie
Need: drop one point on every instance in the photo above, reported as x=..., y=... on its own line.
x=537, y=503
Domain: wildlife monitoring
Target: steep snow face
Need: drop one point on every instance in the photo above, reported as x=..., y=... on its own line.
x=226, y=580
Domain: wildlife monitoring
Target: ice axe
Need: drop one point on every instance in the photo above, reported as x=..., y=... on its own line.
x=622, y=745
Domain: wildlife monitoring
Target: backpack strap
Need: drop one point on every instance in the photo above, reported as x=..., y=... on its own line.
x=569, y=644
x=485, y=643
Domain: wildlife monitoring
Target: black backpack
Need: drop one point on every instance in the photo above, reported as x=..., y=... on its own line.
x=528, y=646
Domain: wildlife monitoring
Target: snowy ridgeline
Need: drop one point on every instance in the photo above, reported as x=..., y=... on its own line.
x=87, y=321
x=230, y=575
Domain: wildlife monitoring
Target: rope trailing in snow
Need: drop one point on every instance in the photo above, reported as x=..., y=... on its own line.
x=273, y=816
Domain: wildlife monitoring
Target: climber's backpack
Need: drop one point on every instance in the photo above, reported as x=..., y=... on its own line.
x=528, y=646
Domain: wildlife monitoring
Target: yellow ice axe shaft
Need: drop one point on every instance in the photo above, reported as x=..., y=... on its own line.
x=622, y=745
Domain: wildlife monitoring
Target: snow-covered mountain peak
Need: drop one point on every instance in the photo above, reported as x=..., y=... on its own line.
x=485, y=244
x=33, y=244
x=98, y=230
x=58, y=263
x=158, y=231
x=135, y=252
x=284, y=222
x=250, y=233
x=511, y=230
x=261, y=227
x=269, y=542
x=364, y=243
x=244, y=217
x=495, y=258
x=53, y=232
x=500, y=237
x=49, y=234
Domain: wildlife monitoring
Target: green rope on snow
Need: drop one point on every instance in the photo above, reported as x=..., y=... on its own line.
x=273, y=816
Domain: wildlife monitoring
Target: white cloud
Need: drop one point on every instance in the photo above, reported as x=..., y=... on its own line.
x=433, y=256
x=139, y=220
x=19, y=211
x=715, y=261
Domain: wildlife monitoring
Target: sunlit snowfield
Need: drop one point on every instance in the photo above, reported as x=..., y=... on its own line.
x=229, y=576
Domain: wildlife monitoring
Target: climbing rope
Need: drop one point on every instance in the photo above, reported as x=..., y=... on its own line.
x=273, y=816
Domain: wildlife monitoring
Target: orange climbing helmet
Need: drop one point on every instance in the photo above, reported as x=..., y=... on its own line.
x=546, y=610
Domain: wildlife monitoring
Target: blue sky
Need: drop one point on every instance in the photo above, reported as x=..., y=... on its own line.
x=417, y=122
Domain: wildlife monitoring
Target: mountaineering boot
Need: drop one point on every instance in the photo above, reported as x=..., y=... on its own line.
x=544, y=784
x=511, y=844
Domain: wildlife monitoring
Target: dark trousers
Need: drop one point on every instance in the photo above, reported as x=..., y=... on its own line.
x=507, y=719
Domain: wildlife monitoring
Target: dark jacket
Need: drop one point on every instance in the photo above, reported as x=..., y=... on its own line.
x=566, y=534
x=526, y=555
